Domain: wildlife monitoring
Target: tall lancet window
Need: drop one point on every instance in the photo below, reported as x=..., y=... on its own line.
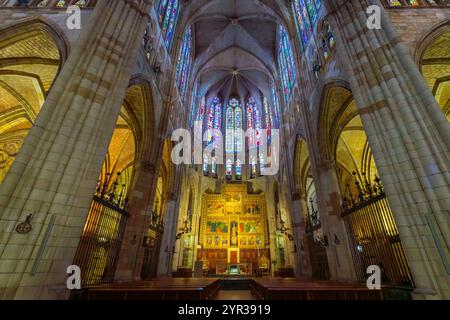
x=213, y=122
x=229, y=140
x=268, y=127
x=238, y=139
x=168, y=12
x=306, y=13
x=286, y=63
x=200, y=118
x=233, y=138
x=254, y=138
x=276, y=107
x=184, y=63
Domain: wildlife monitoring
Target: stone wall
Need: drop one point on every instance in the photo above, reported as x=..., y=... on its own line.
x=414, y=24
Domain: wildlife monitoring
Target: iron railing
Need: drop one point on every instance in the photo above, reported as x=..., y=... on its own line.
x=373, y=234
x=99, y=246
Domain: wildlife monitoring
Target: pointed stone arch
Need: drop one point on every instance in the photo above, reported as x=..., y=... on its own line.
x=32, y=52
x=432, y=56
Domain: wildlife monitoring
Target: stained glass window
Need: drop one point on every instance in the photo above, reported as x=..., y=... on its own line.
x=238, y=127
x=306, y=13
x=267, y=114
x=201, y=117
x=238, y=138
x=267, y=120
x=258, y=126
x=230, y=130
x=233, y=137
x=201, y=111
x=214, y=121
x=286, y=63
x=168, y=12
x=254, y=121
x=184, y=63
x=250, y=120
x=276, y=105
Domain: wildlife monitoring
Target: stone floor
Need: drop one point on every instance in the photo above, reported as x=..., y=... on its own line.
x=234, y=295
x=234, y=289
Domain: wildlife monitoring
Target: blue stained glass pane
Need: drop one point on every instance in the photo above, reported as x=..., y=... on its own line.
x=267, y=114
x=162, y=5
x=201, y=112
x=214, y=118
x=173, y=17
x=250, y=120
x=302, y=21
x=184, y=63
x=286, y=63
x=306, y=13
x=217, y=113
x=238, y=127
x=258, y=127
x=312, y=10
x=276, y=103
x=230, y=130
x=167, y=15
x=168, y=12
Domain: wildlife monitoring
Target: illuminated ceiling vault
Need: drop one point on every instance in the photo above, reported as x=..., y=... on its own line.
x=235, y=46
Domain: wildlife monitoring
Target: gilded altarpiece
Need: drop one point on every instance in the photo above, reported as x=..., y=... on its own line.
x=234, y=230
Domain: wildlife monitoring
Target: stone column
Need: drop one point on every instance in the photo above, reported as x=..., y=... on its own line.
x=166, y=253
x=408, y=134
x=329, y=200
x=132, y=252
x=196, y=217
x=175, y=220
x=299, y=211
x=168, y=239
x=271, y=209
x=56, y=171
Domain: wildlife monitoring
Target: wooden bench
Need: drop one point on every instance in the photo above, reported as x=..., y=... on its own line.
x=295, y=289
x=158, y=289
x=183, y=273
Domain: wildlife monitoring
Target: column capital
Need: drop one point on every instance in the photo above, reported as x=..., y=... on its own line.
x=326, y=164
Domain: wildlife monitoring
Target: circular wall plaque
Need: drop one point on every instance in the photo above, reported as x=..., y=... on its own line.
x=25, y=227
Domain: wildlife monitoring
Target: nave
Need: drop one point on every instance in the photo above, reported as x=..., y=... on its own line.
x=266, y=288
x=224, y=149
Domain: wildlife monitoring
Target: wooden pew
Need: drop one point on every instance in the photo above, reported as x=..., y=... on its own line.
x=157, y=289
x=295, y=289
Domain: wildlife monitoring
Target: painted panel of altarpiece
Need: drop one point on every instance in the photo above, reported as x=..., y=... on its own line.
x=235, y=222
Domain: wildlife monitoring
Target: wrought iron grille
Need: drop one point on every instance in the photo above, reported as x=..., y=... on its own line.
x=317, y=243
x=373, y=234
x=99, y=246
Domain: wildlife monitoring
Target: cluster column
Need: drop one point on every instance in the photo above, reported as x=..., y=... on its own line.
x=132, y=252
x=55, y=174
x=329, y=200
x=299, y=212
x=408, y=134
